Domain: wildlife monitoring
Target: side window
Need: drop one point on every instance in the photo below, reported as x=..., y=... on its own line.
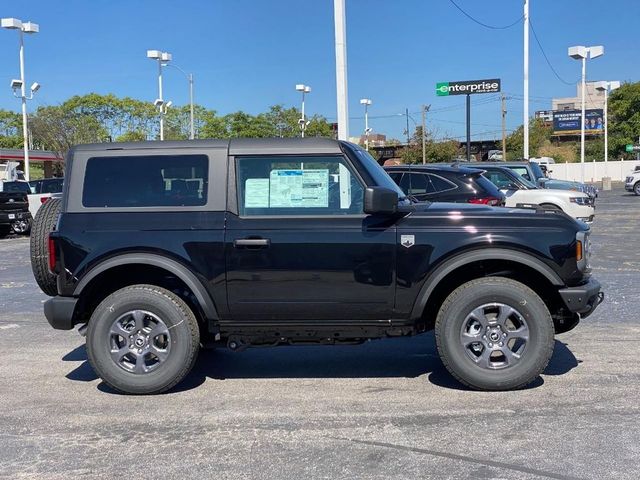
x=146, y=181
x=296, y=185
x=405, y=183
x=440, y=184
x=522, y=171
x=498, y=178
x=420, y=184
x=395, y=176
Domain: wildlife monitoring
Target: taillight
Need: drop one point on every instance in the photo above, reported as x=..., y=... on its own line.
x=52, y=255
x=491, y=201
x=44, y=199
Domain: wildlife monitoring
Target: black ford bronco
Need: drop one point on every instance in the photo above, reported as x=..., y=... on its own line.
x=159, y=248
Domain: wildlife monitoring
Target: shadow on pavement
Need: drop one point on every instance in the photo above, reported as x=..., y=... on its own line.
x=406, y=357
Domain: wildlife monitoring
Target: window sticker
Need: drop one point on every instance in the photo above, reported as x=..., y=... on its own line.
x=256, y=193
x=299, y=188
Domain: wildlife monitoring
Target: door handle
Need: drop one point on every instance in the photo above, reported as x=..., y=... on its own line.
x=251, y=242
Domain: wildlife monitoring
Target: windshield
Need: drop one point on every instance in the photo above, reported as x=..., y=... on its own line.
x=374, y=169
x=523, y=180
x=537, y=171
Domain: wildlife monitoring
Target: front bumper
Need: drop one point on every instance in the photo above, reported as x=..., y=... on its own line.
x=628, y=187
x=59, y=312
x=583, y=299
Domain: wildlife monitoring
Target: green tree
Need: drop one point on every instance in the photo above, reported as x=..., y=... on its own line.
x=624, y=118
x=539, y=135
x=10, y=129
x=59, y=128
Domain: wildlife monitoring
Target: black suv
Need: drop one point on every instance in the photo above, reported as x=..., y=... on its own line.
x=163, y=246
x=442, y=183
x=14, y=208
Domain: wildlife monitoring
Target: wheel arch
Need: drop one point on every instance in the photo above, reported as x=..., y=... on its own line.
x=152, y=261
x=462, y=262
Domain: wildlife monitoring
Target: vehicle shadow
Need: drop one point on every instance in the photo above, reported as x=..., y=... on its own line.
x=405, y=357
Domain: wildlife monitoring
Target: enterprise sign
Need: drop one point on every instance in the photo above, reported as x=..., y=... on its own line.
x=468, y=87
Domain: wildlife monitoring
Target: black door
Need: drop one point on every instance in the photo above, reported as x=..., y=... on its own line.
x=300, y=247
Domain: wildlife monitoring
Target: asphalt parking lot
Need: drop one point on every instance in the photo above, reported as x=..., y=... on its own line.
x=383, y=410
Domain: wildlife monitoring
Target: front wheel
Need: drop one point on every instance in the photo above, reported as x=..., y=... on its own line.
x=494, y=333
x=142, y=339
x=636, y=188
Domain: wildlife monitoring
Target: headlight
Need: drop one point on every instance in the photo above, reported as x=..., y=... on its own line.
x=583, y=252
x=579, y=200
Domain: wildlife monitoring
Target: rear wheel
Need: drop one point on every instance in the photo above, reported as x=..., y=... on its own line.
x=494, y=334
x=142, y=339
x=42, y=225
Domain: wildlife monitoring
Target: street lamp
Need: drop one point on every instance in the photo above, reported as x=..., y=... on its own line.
x=303, y=121
x=581, y=52
x=163, y=58
x=22, y=27
x=189, y=77
x=366, y=102
x=606, y=87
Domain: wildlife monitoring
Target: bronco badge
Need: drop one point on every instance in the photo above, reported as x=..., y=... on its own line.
x=407, y=240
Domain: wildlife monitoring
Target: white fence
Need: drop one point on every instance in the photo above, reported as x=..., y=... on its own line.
x=593, y=171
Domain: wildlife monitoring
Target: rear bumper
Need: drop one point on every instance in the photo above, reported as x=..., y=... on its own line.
x=59, y=312
x=583, y=299
x=8, y=217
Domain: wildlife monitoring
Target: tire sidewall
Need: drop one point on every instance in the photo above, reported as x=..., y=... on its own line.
x=636, y=188
x=158, y=303
x=538, y=349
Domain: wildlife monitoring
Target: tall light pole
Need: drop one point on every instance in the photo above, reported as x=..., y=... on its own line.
x=22, y=27
x=366, y=102
x=304, y=89
x=582, y=53
x=341, y=69
x=607, y=87
x=163, y=58
x=526, y=80
x=189, y=76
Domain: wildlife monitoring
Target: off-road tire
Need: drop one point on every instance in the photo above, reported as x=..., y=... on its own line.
x=42, y=225
x=475, y=293
x=184, y=337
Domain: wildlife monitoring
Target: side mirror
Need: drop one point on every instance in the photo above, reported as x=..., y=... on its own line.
x=380, y=200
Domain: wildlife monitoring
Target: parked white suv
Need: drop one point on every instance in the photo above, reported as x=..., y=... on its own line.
x=632, y=182
x=519, y=191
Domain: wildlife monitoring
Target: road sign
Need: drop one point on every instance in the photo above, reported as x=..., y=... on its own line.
x=468, y=87
x=632, y=148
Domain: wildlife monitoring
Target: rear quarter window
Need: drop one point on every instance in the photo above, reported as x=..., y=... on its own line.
x=146, y=181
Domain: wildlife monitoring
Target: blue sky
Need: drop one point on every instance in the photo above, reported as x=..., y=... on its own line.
x=249, y=54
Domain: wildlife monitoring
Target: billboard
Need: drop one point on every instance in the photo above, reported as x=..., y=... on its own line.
x=467, y=87
x=567, y=122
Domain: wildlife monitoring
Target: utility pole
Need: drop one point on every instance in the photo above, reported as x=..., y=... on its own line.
x=341, y=68
x=406, y=112
x=468, y=127
x=526, y=80
x=504, y=128
x=425, y=109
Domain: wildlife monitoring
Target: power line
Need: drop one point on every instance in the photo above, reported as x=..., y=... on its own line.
x=535, y=35
x=492, y=27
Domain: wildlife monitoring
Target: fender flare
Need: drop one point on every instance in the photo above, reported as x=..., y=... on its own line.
x=465, y=258
x=179, y=270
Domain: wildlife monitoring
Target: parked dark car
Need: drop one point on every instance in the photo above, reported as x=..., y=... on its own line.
x=14, y=208
x=47, y=185
x=264, y=242
x=443, y=183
